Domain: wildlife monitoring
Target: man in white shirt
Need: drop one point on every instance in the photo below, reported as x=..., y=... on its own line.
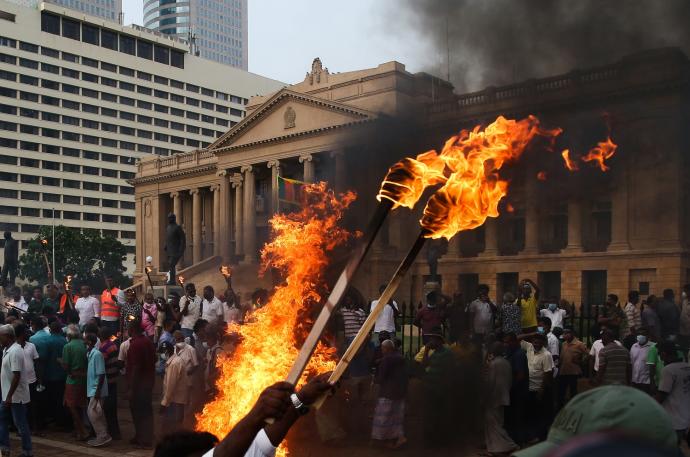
x=638, y=358
x=554, y=312
x=87, y=306
x=540, y=365
x=15, y=392
x=17, y=300
x=190, y=309
x=552, y=343
x=482, y=314
x=212, y=307
x=386, y=320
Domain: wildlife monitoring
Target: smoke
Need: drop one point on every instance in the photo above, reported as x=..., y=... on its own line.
x=497, y=42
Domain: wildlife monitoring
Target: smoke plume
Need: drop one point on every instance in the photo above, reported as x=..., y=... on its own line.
x=497, y=42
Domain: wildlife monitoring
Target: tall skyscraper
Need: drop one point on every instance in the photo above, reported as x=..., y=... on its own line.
x=107, y=9
x=217, y=28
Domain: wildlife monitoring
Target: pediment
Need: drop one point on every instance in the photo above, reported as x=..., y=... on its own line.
x=290, y=113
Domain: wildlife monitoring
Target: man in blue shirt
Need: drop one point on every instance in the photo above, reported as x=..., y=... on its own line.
x=96, y=388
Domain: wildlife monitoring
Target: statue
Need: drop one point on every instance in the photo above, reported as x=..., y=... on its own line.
x=11, y=261
x=432, y=256
x=175, y=244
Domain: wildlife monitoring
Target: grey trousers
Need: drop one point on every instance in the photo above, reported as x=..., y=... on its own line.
x=497, y=439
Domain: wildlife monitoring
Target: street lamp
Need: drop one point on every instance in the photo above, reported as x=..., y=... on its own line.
x=54, y=271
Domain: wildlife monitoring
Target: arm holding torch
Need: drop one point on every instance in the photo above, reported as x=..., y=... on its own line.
x=44, y=245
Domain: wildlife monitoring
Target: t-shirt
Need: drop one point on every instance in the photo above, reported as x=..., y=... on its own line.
x=483, y=317
x=638, y=358
x=616, y=359
x=148, y=323
x=594, y=352
x=511, y=321
x=13, y=361
x=141, y=359
x=213, y=310
x=572, y=355
x=95, y=369
x=193, y=311
x=30, y=354
x=528, y=308
x=74, y=356
x=386, y=320
x=538, y=363
x=260, y=447
x=88, y=308
x=50, y=350
x=553, y=346
x=352, y=321
x=557, y=316
x=676, y=383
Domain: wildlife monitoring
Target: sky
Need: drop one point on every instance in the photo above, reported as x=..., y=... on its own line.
x=286, y=35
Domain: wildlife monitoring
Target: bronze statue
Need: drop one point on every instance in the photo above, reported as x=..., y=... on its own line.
x=175, y=244
x=11, y=261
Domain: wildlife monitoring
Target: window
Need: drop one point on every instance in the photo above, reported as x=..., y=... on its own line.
x=70, y=152
x=52, y=101
x=108, y=112
x=108, y=81
x=126, y=115
x=207, y=92
x=108, y=173
x=4, y=176
x=207, y=105
x=88, y=123
x=192, y=128
x=7, y=92
x=50, y=23
x=126, y=71
x=177, y=84
x=26, y=195
x=160, y=94
x=176, y=139
x=162, y=137
x=161, y=54
x=71, y=184
x=206, y=118
x=25, y=79
x=71, y=29
x=235, y=112
x=54, y=198
x=108, y=40
x=90, y=139
x=207, y=132
x=73, y=215
x=144, y=148
x=8, y=143
x=90, y=170
x=33, y=163
x=192, y=143
x=129, y=147
x=90, y=77
x=177, y=112
x=89, y=62
x=107, y=141
x=30, y=129
x=8, y=160
x=50, y=68
x=9, y=210
x=126, y=175
x=7, y=193
x=144, y=119
x=109, y=157
x=177, y=98
x=28, y=146
x=50, y=165
x=31, y=228
x=177, y=126
x=7, y=42
x=70, y=89
x=177, y=59
x=29, y=179
x=92, y=217
x=8, y=75
x=89, y=108
x=162, y=151
x=92, y=201
x=28, y=47
x=70, y=136
x=126, y=86
x=145, y=50
x=144, y=105
x=26, y=112
x=28, y=63
x=92, y=155
x=126, y=205
x=32, y=212
x=127, y=45
x=192, y=88
x=160, y=80
x=192, y=115
x=91, y=186
x=6, y=58
x=71, y=199
x=144, y=90
x=127, y=220
x=51, y=213
x=109, y=203
x=7, y=109
x=108, y=66
x=70, y=57
x=109, y=188
x=71, y=73
x=51, y=148
x=192, y=101
x=127, y=191
x=70, y=120
x=161, y=123
x=46, y=181
x=222, y=109
x=126, y=130
x=28, y=96
x=128, y=235
x=108, y=128
x=52, y=117
x=69, y=104
x=109, y=218
x=91, y=35
x=144, y=134
x=108, y=97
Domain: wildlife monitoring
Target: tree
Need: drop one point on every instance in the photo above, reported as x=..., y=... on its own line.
x=83, y=253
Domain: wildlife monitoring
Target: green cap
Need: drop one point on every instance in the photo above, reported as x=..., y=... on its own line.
x=619, y=408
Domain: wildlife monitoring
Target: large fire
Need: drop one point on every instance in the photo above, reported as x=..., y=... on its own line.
x=599, y=154
x=299, y=248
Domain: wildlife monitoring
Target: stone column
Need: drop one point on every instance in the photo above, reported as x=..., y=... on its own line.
x=224, y=218
x=339, y=170
x=619, y=211
x=238, y=225
x=249, y=226
x=574, y=226
x=140, y=230
x=196, y=225
x=274, y=165
x=490, y=237
x=216, y=218
x=308, y=161
x=177, y=206
x=531, y=215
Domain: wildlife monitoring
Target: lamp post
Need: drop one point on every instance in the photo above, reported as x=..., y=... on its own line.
x=54, y=272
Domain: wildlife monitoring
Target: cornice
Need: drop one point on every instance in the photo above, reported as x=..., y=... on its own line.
x=186, y=172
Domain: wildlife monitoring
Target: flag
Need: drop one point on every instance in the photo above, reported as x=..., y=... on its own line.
x=290, y=190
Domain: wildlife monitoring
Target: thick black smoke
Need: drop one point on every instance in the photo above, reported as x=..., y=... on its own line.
x=497, y=42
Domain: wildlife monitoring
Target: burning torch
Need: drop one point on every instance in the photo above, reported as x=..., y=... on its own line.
x=68, y=297
x=148, y=270
x=180, y=280
x=44, y=246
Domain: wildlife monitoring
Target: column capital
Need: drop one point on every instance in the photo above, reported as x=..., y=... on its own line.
x=174, y=194
x=246, y=169
x=236, y=180
x=193, y=191
x=214, y=187
x=306, y=158
x=222, y=173
x=273, y=163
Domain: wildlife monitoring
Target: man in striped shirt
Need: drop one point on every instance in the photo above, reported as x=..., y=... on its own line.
x=614, y=361
x=353, y=319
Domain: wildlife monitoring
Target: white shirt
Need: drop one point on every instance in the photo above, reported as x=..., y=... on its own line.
x=213, y=310
x=481, y=310
x=260, y=447
x=193, y=311
x=596, y=347
x=556, y=316
x=12, y=361
x=30, y=354
x=231, y=313
x=538, y=363
x=386, y=320
x=638, y=358
x=21, y=304
x=553, y=345
x=88, y=308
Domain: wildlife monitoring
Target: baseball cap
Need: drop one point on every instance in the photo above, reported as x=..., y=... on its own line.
x=616, y=408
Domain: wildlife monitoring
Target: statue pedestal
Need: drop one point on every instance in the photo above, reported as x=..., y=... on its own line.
x=430, y=286
x=164, y=290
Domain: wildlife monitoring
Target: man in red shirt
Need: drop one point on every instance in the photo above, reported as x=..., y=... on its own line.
x=433, y=315
x=140, y=369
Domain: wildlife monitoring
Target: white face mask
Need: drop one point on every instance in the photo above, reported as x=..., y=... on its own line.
x=205, y=345
x=180, y=345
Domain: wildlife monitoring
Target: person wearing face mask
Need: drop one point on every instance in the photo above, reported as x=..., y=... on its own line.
x=175, y=388
x=554, y=312
x=638, y=357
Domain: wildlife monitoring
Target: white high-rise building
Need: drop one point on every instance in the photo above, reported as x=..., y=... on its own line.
x=218, y=27
x=106, y=9
x=81, y=99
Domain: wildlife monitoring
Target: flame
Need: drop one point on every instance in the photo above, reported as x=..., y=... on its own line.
x=148, y=269
x=603, y=151
x=270, y=340
x=510, y=208
x=44, y=242
x=68, y=281
x=226, y=271
x=569, y=163
x=406, y=180
x=180, y=279
x=541, y=176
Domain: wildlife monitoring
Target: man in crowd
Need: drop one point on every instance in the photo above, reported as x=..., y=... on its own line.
x=112, y=371
x=52, y=373
x=74, y=362
x=437, y=362
x=594, y=351
x=498, y=380
x=22, y=333
x=389, y=415
x=130, y=311
x=16, y=300
x=638, y=358
x=614, y=361
x=175, y=388
x=141, y=359
x=650, y=318
x=674, y=388
x=613, y=317
x=39, y=401
x=51, y=301
x=36, y=303
x=632, y=312
x=669, y=316
x=96, y=391
x=684, y=327
x=540, y=363
x=110, y=307
x=191, y=311
x=553, y=311
x=15, y=392
x=509, y=315
x=572, y=358
x=87, y=306
x=213, y=350
x=149, y=313
x=386, y=320
x=519, y=389
x=432, y=316
x=482, y=312
x=552, y=343
x=528, y=305
x=212, y=307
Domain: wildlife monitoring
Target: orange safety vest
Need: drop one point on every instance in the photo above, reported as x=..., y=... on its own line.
x=109, y=307
x=63, y=301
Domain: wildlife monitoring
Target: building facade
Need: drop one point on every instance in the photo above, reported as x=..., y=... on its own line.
x=110, y=10
x=216, y=28
x=579, y=235
x=81, y=100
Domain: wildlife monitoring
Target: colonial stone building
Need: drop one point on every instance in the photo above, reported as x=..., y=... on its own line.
x=579, y=235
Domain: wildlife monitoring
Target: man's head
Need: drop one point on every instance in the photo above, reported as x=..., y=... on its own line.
x=190, y=289
x=652, y=301
x=109, y=283
x=85, y=291
x=52, y=291
x=200, y=329
x=634, y=297
x=209, y=293
x=8, y=235
x=526, y=290
x=539, y=341
x=606, y=336
x=90, y=341
x=38, y=323
x=433, y=298
x=6, y=335
x=510, y=341
x=496, y=349
x=149, y=298
x=135, y=328
x=166, y=348
x=72, y=332
x=686, y=291
x=37, y=294
x=612, y=299
x=171, y=218
x=668, y=352
x=553, y=303
x=508, y=297
x=568, y=334
x=21, y=332
x=178, y=336
x=55, y=327
x=483, y=292
x=211, y=335
x=387, y=347
x=668, y=294
x=545, y=324
x=130, y=295
x=105, y=334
